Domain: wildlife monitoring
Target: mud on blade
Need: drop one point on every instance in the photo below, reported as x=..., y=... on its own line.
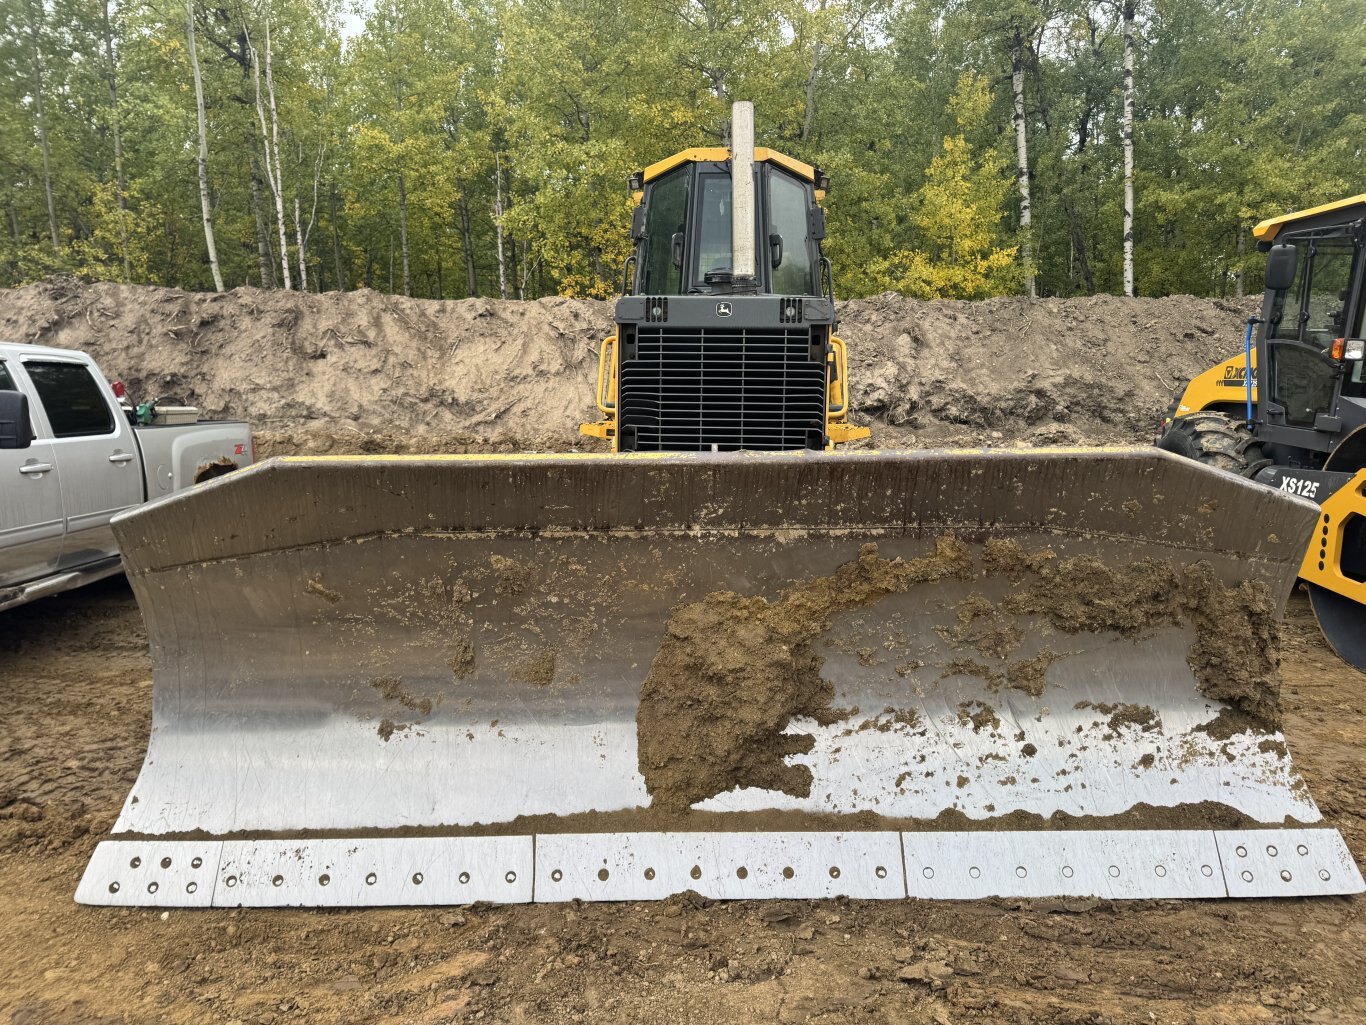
x=435, y=680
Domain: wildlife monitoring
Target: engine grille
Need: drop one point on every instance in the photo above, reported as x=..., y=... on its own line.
x=697, y=389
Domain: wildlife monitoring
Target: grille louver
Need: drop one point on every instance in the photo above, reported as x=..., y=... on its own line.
x=703, y=389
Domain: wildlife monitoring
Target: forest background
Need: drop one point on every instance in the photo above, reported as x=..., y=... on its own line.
x=448, y=149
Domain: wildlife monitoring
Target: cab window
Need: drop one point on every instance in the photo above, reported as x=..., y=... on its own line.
x=714, y=230
x=1313, y=309
x=73, y=401
x=787, y=208
x=6, y=382
x=666, y=214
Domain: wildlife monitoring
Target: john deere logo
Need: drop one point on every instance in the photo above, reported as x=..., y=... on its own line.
x=723, y=309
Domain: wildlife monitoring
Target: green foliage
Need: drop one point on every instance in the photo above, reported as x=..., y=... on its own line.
x=955, y=216
x=506, y=128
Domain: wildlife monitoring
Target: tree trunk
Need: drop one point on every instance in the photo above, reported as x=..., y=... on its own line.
x=336, y=241
x=1022, y=159
x=270, y=141
x=303, y=253
x=120, y=183
x=498, y=223
x=402, y=235
x=264, y=257
x=1238, y=278
x=41, y=111
x=1128, y=147
x=205, y=207
x=467, y=240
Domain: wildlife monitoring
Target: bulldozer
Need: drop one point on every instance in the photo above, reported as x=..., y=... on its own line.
x=1290, y=410
x=721, y=657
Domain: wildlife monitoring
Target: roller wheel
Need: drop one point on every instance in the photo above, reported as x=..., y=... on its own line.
x=1216, y=440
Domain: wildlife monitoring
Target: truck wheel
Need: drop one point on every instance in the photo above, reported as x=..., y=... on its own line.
x=1216, y=440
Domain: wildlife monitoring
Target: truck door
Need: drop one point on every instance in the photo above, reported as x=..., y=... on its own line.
x=31, y=521
x=96, y=453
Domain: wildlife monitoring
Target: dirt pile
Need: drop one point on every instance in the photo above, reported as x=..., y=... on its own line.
x=367, y=372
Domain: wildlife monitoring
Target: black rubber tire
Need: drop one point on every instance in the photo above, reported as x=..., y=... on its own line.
x=1216, y=440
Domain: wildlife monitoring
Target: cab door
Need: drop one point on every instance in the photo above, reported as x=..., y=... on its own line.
x=101, y=473
x=31, y=521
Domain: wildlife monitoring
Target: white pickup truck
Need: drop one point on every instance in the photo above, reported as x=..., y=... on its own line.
x=71, y=458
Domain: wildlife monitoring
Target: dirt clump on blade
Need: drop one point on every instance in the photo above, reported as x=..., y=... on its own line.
x=367, y=372
x=733, y=671
x=1234, y=656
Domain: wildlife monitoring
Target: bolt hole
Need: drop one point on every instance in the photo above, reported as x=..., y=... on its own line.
x=113, y=887
x=1067, y=871
x=1301, y=850
x=464, y=877
x=1324, y=874
x=1242, y=851
x=1021, y=871
x=1161, y=871
x=649, y=873
x=927, y=872
x=1205, y=870
x=880, y=872
x=152, y=887
x=135, y=863
x=417, y=878
x=1271, y=850
x=1285, y=875
x=1247, y=876
x=279, y=881
x=556, y=876
x=603, y=875
x=742, y=872
x=511, y=877
x=191, y=887
x=324, y=879
x=696, y=872
x=231, y=881
x=1114, y=871
x=371, y=879
x=788, y=872
x=165, y=862
x=975, y=872
x=834, y=871
x=196, y=862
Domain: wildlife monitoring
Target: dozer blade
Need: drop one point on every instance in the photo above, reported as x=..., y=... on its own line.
x=943, y=674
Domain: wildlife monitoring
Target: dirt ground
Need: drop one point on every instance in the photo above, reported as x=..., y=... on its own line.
x=74, y=703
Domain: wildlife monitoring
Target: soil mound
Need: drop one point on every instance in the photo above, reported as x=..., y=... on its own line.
x=368, y=372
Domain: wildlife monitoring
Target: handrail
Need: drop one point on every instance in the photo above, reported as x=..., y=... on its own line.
x=609, y=345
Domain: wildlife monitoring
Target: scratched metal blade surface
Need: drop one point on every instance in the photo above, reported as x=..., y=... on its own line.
x=383, y=644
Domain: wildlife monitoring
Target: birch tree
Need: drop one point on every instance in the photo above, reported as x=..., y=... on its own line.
x=270, y=143
x=35, y=25
x=1022, y=157
x=1128, y=132
x=205, y=206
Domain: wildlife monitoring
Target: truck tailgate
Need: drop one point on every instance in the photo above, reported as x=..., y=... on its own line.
x=176, y=456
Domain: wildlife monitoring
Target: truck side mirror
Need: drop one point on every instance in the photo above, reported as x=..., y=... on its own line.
x=638, y=224
x=1281, y=263
x=15, y=428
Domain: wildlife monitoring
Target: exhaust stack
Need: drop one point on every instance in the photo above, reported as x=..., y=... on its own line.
x=744, y=274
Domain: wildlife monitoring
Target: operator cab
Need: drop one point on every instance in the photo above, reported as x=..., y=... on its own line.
x=683, y=229
x=1312, y=347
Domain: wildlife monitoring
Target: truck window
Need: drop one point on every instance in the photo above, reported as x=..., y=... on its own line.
x=73, y=401
x=6, y=382
x=787, y=205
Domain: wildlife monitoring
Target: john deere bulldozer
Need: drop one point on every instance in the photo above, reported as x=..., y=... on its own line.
x=721, y=657
x=1297, y=422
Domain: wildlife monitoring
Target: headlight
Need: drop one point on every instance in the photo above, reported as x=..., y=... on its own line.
x=1354, y=349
